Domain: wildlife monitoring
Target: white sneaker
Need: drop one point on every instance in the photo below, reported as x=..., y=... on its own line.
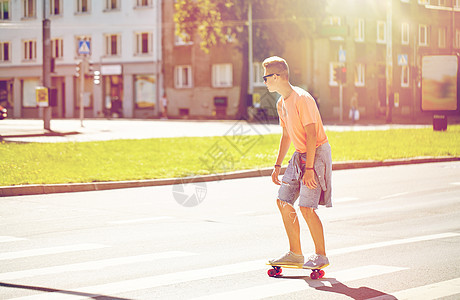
x=316, y=261
x=289, y=258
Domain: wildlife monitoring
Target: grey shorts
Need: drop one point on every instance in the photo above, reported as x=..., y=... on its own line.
x=292, y=186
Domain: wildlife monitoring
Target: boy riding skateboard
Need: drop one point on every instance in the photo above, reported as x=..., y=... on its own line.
x=308, y=175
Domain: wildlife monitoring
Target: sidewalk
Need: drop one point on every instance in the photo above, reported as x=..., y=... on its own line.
x=31, y=131
x=70, y=130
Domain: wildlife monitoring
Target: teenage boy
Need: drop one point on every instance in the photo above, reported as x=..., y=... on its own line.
x=308, y=175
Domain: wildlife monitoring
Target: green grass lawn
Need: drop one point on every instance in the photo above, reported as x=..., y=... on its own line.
x=37, y=163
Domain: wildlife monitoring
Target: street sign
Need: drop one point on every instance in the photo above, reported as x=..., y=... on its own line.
x=342, y=56
x=41, y=94
x=402, y=59
x=84, y=47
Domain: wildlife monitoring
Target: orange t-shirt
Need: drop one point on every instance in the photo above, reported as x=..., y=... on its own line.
x=297, y=111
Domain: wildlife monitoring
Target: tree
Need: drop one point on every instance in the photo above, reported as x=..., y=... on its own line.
x=275, y=22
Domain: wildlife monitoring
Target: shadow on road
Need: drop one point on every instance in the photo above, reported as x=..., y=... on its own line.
x=335, y=286
x=51, y=290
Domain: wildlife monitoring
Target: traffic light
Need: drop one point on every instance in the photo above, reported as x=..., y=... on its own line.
x=336, y=72
x=77, y=69
x=97, y=77
x=343, y=74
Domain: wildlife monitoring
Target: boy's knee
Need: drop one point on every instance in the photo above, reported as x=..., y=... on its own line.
x=307, y=211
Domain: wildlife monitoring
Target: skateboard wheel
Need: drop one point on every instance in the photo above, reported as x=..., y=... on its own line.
x=321, y=273
x=314, y=275
x=272, y=272
x=278, y=271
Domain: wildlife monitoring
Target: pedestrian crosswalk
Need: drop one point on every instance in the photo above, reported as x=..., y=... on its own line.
x=263, y=287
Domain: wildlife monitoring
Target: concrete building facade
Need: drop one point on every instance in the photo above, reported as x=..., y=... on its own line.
x=125, y=43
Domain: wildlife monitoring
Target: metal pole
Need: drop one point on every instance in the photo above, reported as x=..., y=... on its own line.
x=250, y=57
x=82, y=89
x=389, y=59
x=341, y=100
x=46, y=63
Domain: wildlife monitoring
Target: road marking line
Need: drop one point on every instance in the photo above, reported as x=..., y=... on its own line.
x=151, y=281
x=430, y=291
x=393, y=243
x=6, y=239
x=186, y=276
x=47, y=251
x=393, y=195
x=93, y=265
x=292, y=286
x=143, y=220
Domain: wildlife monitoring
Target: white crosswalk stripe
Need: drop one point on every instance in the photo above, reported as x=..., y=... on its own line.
x=7, y=239
x=427, y=292
x=48, y=251
x=150, y=282
x=93, y=265
x=291, y=286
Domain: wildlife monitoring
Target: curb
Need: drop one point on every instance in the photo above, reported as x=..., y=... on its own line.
x=22, y=190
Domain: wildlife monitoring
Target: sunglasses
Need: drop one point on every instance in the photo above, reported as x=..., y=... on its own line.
x=269, y=75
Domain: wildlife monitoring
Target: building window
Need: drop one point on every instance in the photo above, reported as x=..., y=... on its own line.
x=82, y=6
x=4, y=10
x=55, y=7
x=29, y=9
x=381, y=32
x=423, y=2
x=360, y=74
x=405, y=33
x=143, y=3
x=258, y=74
x=57, y=48
x=179, y=40
x=442, y=37
x=422, y=35
x=112, y=5
x=28, y=92
x=5, y=51
x=442, y=2
x=145, y=91
x=359, y=30
x=457, y=38
x=222, y=75
x=112, y=45
x=405, y=76
x=183, y=76
x=144, y=43
x=30, y=50
x=457, y=4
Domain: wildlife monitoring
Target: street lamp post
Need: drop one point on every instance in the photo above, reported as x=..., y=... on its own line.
x=46, y=63
x=389, y=60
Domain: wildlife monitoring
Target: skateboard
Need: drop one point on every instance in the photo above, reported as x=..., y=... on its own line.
x=277, y=270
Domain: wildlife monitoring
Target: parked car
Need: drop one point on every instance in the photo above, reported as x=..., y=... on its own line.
x=3, y=113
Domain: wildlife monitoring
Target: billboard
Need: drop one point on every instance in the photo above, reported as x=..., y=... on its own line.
x=440, y=83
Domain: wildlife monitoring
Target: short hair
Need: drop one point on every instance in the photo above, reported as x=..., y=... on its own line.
x=277, y=65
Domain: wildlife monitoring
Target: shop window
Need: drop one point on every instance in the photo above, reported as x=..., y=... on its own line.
x=145, y=91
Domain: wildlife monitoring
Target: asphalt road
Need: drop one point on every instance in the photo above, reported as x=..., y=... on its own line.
x=393, y=233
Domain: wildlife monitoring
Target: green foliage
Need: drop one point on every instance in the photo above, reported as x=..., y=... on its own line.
x=275, y=22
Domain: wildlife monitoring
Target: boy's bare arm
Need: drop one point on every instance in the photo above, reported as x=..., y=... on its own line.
x=309, y=176
x=285, y=142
